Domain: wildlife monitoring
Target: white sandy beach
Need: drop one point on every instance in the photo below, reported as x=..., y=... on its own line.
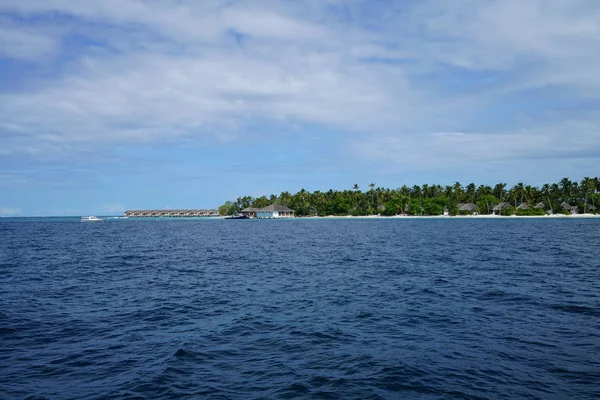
x=480, y=216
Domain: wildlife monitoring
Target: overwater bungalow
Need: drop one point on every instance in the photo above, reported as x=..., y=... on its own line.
x=181, y=213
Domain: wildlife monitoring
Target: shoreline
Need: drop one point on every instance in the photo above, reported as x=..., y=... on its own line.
x=484, y=216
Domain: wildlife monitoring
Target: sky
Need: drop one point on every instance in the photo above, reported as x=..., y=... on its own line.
x=135, y=104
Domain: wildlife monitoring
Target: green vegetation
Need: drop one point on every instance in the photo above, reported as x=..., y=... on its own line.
x=433, y=199
x=229, y=208
x=531, y=212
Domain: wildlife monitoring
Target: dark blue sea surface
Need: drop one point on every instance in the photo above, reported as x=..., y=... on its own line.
x=322, y=308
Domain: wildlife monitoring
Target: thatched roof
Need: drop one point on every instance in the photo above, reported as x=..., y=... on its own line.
x=540, y=205
x=523, y=206
x=567, y=206
x=276, y=207
x=249, y=209
x=468, y=207
x=501, y=206
x=589, y=207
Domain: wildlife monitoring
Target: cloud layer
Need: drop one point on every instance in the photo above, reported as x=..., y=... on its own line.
x=417, y=84
x=9, y=211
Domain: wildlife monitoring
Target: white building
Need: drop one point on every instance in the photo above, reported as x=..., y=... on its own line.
x=275, y=211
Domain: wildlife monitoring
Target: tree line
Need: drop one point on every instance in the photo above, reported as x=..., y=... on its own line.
x=432, y=199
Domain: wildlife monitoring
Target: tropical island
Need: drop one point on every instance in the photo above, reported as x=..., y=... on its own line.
x=565, y=197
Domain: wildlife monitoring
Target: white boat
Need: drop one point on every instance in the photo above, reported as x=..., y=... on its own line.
x=91, y=218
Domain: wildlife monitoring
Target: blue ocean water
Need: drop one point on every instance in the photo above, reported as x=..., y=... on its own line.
x=334, y=309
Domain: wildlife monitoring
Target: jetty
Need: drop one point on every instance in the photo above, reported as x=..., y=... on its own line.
x=189, y=213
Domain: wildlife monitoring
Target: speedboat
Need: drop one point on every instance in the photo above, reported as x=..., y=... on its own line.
x=91, y=218
x=239, y=216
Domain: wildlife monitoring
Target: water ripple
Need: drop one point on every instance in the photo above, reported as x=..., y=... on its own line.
x=370, y=309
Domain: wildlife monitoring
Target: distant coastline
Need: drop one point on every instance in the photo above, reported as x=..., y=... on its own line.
x=480, y=216
x=327, y=217
x=565, y=197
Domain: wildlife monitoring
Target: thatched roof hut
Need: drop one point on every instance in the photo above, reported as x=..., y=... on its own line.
x=540, y=205
x=589, y=207
x=569, y=207
x=502, y=206
x=468, y=207
x=523, y=206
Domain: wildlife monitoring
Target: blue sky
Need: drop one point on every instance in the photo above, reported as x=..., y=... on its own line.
x=120, y=104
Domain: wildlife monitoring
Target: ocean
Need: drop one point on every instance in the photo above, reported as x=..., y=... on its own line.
x=428, y=308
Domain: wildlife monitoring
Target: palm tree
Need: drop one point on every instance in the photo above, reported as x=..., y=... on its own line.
x=448, y=191
x=285, y=199
x=372, y=196
x=458, y=192
x=519, y=191
x=565, y=186
x=417, y=192
x=546, y=189
x=337, y=202
x=471, y=192
x=483, y=190
x=588, y=186
x=530, y=193
x=356, y=195
x=575, y=190
x=500, y=190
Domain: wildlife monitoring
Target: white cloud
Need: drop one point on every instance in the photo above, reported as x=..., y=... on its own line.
x=9, y=211
x=171, y=68
x=26, y=43
x=527, y=148
x=144, y=96
x=553, y=39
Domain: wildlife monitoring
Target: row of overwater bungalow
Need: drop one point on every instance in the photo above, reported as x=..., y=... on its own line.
x=191, y=213
x=496, y=210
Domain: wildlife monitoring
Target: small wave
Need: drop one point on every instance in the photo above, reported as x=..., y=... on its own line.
x=593, y=312
x=213, y=310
